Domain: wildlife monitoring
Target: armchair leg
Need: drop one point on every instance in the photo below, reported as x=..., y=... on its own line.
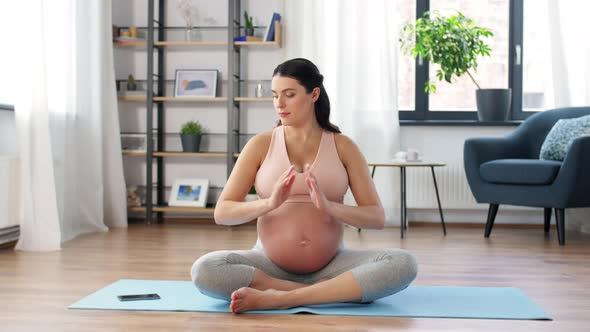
x=491, y=217
x=547, y=219
x=560, y=218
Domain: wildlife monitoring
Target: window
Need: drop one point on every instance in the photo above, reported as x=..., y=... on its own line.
x=456, y=101
x=492, y=72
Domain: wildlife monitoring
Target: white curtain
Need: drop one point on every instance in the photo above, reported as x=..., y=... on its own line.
x=570, y=71
x=355, y=45
x=68, y=128
x=570, y=52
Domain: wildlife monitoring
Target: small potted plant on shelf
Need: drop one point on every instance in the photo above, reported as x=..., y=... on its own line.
x=131, y=83
x=190, y=136
x=251, y=196
x=455, y=43
x=248, y=24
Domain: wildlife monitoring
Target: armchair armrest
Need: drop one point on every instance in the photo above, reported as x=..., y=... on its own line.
x=572, y=183
x=477, y=151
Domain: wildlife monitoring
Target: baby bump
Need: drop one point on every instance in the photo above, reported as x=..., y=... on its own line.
x=299, y=238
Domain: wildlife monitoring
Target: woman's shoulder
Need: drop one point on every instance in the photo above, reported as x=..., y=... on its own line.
x=343, y=142
x=259, y=144
x=262, y=139
x=346, y=147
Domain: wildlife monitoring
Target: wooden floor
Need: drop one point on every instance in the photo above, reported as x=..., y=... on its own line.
x=36, y=288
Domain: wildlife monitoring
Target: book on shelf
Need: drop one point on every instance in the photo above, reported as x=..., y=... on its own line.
x=248, y=38
x=269, y=35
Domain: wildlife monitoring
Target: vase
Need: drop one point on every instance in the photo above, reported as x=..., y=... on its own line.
x=190, y=143
x=189, y=32
x=493, y=105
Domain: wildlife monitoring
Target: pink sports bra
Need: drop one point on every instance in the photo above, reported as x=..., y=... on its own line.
x=329, y=171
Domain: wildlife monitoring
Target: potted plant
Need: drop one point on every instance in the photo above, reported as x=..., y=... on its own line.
x=131, y=83
x=190, y=136
x=248, y=24
x=251, y=196
x=455, y=43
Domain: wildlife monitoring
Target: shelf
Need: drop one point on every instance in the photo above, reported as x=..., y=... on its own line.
x=177, y=154
x=133, y=154
x=276, y=42
x=130, y=43
x=215, y=99
x=196, y=44
x=253, y=99
x=190, y=154
x=185, y=43
x=174, y=99
x=132, y=98
x=173, y=209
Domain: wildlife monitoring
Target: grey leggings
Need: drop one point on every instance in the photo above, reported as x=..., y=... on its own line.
x=379, y=272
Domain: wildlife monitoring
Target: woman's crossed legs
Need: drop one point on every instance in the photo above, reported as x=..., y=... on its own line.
x=250, y=280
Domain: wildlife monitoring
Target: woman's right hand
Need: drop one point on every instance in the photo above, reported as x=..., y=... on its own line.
x=281, y=189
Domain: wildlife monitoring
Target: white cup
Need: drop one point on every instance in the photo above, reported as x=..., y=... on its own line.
x=401, y=155
x=412, y=155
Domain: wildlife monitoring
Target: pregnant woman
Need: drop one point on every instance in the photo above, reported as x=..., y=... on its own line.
x=301, y=170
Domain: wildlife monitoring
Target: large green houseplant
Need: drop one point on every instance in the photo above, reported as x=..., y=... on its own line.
x=455, y=43
x=190, y=136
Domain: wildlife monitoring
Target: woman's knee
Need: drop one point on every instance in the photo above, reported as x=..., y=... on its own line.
x=219, y=273
x=391, y=271
x=206, y=270
x=405, y=265
x=201, y=268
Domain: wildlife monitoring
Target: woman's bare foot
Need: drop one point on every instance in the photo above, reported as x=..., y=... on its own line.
x=247, y=298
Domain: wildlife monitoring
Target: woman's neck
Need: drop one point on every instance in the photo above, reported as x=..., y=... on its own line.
x=309, y=131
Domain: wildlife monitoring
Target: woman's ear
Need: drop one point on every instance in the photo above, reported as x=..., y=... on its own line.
x=315, y=94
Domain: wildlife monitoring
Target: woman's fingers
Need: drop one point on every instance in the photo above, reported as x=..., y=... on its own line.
x=287, y=173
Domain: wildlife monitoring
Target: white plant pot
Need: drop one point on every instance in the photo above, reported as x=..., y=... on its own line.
x=251, y=197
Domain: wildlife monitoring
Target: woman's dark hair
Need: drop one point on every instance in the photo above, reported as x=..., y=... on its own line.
x=308, y=75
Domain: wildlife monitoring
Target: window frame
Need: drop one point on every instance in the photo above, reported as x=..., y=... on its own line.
x=422, y=113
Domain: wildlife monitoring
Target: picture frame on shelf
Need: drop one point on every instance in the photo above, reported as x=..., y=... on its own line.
x=195, y=83
x=136, y=142
x=189, y=192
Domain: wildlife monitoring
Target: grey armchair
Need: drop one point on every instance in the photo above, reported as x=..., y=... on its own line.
x=508, y=170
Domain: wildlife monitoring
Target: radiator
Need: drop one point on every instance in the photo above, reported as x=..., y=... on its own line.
x=452, y=186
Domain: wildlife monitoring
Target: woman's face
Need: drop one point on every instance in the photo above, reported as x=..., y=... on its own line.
x=293, y=104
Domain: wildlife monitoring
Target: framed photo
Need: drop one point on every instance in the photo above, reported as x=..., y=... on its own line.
x=189, y=192
x=136, y=142
x=195, y=83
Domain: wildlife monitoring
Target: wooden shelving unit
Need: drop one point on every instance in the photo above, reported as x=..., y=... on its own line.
x=155, y=100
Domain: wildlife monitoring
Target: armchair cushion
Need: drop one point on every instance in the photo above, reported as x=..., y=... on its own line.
x=520, y=171
x=561, y=136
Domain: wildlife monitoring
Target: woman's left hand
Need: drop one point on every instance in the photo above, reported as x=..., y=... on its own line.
x=317, y=196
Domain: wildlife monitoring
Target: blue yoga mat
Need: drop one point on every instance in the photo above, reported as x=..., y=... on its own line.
x=415, y=301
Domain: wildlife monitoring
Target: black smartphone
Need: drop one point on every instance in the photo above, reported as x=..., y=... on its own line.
x=138, y=297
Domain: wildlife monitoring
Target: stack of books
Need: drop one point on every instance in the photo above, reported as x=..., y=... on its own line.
x=9, y=235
